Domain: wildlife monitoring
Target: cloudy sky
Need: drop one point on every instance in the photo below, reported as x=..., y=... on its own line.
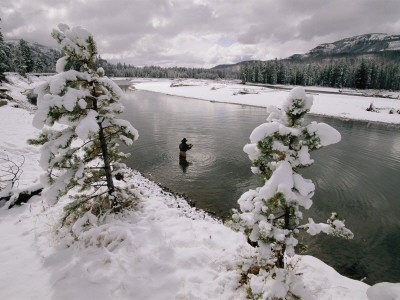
x=200, y=33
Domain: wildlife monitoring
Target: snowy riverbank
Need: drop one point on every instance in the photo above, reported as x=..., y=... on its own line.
x=164, y=249
x=334, y=105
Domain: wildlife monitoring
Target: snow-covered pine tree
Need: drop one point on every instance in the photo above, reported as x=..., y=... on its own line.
x=26, y=55
x=270, y=215
x=77, y=114
x=40, y=64
x=17, y=61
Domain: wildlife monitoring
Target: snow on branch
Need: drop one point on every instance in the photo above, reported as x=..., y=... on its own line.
x=77, y=111
x=270, y=215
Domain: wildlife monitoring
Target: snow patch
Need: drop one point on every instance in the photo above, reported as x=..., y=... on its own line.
x=87, y=125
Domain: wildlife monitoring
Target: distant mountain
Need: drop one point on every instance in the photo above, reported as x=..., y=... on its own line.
x=234, y=67
x=379, y=46
x=369, y=46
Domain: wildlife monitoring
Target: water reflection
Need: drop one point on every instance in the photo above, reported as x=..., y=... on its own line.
x=358, y=177
x=183, y=163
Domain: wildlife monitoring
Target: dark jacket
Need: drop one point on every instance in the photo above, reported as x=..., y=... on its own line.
x=184, y=147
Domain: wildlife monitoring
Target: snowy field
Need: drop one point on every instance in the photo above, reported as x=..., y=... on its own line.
x=334, y=105
x=164, y=249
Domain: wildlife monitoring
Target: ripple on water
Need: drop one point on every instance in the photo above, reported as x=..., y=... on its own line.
x=357, y=177
x=202, y=158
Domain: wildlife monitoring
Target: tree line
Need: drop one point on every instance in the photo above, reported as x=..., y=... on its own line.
x=342, y=73
x=127, y=70
x=25, y=59
x=22, y=59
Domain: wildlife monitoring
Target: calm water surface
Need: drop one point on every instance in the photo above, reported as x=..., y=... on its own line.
x=358, y=177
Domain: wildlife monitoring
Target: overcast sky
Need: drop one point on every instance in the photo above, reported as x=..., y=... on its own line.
x=200, y=33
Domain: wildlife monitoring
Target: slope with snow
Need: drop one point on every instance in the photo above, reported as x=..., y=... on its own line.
x=163, y=249
x=356, y=45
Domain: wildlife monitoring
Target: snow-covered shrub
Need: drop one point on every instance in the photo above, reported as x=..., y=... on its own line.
x=270, y=215
x=77, y=114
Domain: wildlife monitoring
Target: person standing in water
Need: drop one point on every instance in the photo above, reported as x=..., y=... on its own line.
x=183, y=147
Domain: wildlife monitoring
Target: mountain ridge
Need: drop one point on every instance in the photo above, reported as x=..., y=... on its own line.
x=379, y=46
x=359, y=44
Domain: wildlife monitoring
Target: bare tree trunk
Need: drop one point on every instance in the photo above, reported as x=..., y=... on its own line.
x=281, y=255
x=106, y=159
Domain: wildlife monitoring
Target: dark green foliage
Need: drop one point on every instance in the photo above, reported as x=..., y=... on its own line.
x=126, y=70
x=313, y=140
x=4, y=58
x=362, y=77
x=278, y=202
x=38, y=61
x=26, y=56
x=341, y=73
x=21, y=59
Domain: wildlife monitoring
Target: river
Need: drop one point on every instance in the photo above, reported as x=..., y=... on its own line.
x=358, y=177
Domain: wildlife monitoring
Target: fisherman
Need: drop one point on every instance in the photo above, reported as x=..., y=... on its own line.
x=183, y=147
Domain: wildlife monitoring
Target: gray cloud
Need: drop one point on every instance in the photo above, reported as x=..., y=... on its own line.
x=201, y=32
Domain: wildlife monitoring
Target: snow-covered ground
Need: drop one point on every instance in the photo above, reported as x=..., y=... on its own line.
x=163, y=249
x=335, y=104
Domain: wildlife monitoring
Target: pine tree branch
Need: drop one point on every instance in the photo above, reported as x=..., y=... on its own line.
x=277, y=218
x=94, y=196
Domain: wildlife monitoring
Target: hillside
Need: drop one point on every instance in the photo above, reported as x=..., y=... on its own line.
x=367, y=46
x=234, y=67
x=36, y=49
x=372, y=46
x=44, y=58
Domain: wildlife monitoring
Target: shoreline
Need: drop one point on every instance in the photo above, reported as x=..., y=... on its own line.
x=186, y=198
x=348, y=119
x=312, y=90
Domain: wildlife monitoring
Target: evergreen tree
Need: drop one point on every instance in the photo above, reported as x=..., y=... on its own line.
x=22, y=58
x=40, y=64
x=18, y=63
x=270, y=216
x=300, y=78
x=393, y=74
x=336, y=76
x=374, y=76
x=82, y=153
x=4, y=58
x=244, y=71
x=338, y=73
x=26, y=55
x=362, y=76
x=281, y=76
